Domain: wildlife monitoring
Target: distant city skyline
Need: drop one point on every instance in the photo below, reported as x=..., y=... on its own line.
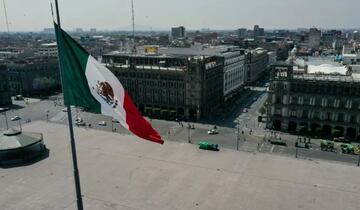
x=35, y=15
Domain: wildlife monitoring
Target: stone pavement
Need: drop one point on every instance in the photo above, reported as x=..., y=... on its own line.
x=122, y=172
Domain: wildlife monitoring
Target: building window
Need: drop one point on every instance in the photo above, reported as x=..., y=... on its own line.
x=349, y=104
x=353, y=119
x=328, y=116
x=305, y=114
x=341, y=117
x=278, y=112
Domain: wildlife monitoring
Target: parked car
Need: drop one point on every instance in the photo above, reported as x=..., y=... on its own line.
x=79, y=119
x=347, y=148
x=115, y=120
x=326, y=145
x=245, y=110
x=102, y=123
x=18, y=97
x=15, y=118
x=80, y=123
x=212, y=132
x=64, y=110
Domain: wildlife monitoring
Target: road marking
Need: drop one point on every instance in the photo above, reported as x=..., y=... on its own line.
x=272, y=149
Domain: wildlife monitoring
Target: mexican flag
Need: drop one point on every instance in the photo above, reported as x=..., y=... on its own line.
x=88, y=83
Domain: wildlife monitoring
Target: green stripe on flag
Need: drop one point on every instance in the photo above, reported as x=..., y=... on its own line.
x=73, y=60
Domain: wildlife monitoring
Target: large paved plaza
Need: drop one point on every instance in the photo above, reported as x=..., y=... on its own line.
x=122, y=172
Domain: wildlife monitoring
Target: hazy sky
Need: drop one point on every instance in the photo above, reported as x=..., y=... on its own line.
x=193, y=14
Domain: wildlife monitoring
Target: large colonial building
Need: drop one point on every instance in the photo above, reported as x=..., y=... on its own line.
x=234, y=64
x=321, y=100
x=171, y=85
x=33, y=75
x=5, y=93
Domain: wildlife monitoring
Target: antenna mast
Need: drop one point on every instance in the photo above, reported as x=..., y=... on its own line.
x=133, y=27
x=6, y=17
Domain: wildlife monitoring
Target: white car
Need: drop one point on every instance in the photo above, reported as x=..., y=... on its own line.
x=15, y=118
x=212, y=132
x=78, y=123
x=102, y=123
x=79, y=119
x=64, y=110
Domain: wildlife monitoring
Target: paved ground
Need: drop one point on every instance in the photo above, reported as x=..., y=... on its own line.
x=122, y=172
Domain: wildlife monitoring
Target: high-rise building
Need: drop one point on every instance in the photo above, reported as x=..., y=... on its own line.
x=241, y=32
x=328, y=37
x=48, y=31
x=79, y=30
x=48, y=50
x=314, y=38
x=256, y=62
x=258, y=31
x=178, y=32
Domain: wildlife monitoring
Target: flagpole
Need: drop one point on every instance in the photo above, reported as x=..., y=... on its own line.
x=72, y=139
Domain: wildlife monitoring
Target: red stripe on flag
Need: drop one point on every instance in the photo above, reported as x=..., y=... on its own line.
x=137, y=124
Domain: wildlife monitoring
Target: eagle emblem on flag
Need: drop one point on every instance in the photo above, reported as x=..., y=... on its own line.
x=106, y=92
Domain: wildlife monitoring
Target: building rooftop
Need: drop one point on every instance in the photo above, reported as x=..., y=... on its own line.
x=329, y=77
x=321, y=69
x=123, y=172
x=327, y=69
x=52, y=44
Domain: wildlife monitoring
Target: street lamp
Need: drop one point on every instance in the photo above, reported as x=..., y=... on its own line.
x=189, y=126
x=7, y=124
x=112, y=124
x=238, y=135
x=20, y=124
x=296, y=148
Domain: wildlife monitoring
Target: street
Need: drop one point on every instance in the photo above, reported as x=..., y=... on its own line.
x=252, y=135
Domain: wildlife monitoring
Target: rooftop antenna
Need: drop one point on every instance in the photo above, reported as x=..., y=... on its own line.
x=133, y=27
x=6, y=17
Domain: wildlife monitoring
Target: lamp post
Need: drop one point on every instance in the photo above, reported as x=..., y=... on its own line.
x=7, y=124
x=4, y=110
x=20, y=124
x=238, y=135
x=296, y=149
x=189, y=126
